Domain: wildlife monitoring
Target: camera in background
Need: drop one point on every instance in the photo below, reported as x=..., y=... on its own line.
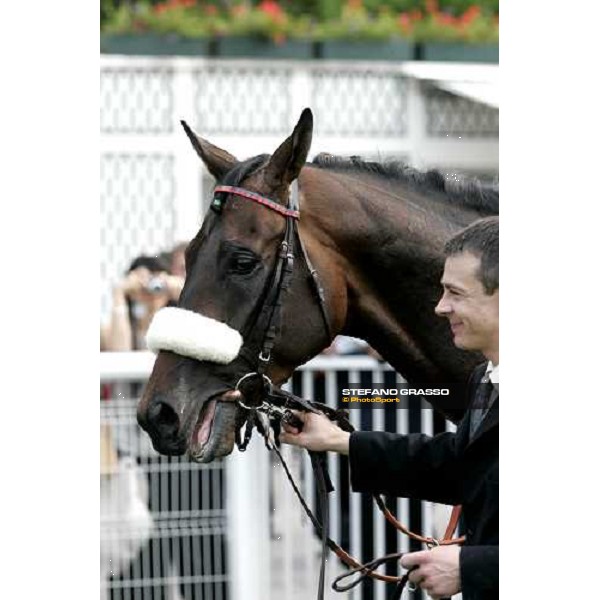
x=156, y=285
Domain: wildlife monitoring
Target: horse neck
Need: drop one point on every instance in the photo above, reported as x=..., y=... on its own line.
x=385, y=241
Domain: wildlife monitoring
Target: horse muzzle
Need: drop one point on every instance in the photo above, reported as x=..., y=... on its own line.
x=181, y=408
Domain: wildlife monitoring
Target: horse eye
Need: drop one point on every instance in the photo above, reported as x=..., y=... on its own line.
x=243, y=264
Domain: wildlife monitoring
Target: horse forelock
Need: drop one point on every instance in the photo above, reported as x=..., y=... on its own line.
x=244, y=169
x=467, y=192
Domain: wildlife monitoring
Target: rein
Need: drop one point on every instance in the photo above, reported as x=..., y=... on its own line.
x=261, y=399
x=260, y=396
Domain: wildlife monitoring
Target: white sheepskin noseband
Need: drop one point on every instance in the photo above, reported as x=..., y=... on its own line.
x=190, y=334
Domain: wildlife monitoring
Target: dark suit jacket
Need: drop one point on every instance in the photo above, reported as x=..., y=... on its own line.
x=446, y=468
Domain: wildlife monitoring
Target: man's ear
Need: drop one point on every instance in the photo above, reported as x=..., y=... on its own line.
x=285, y=163
x=217, y=161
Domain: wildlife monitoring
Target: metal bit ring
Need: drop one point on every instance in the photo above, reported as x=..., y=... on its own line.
x=262, y=406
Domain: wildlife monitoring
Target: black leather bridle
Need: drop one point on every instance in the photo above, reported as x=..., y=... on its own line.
x=268, y=321
x=259, y=395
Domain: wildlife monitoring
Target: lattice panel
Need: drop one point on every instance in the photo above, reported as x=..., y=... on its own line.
x=136, y=211
x=359, y=103
x=163, y=520
x=136, y=100
x=452, y=116
x=243, y=100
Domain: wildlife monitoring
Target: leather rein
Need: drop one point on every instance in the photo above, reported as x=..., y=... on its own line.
x=265, y=406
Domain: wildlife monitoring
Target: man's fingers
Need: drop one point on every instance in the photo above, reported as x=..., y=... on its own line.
x=289, y=428
x=290, y=438
x=299, y=413
x=414, y=558
x=416, y=576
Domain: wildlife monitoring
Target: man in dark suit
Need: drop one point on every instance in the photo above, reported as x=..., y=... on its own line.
x=451, y=468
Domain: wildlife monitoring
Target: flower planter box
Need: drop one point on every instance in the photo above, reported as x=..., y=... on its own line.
x=487, y=53
x=148, y=44
x=254, y=47
x=365, y=50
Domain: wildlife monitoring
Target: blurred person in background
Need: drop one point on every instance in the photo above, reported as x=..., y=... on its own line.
x=343, y=345
x=175, y=258
x=148, y=286
x=129, y=491
x=157, y=497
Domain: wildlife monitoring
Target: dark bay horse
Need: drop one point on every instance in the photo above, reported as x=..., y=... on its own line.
x=374, y=234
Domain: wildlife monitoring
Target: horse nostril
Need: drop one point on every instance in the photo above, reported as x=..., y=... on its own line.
x=164, y=419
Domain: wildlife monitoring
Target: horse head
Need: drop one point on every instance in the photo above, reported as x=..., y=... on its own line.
x=230, y=269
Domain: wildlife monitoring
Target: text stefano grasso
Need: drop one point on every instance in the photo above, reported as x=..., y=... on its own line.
x=408, y=391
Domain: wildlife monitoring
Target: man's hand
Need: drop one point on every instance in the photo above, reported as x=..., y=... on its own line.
x=437, y=572
x=174, y=285
x=134, y=282
x=318, y=434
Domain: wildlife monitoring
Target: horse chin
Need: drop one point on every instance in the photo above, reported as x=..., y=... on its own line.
x=214, y=433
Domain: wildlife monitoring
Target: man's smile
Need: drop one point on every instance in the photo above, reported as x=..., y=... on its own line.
x=456, y=326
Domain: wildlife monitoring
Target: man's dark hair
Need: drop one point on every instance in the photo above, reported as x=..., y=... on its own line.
x=153, y=264
x=480, y=238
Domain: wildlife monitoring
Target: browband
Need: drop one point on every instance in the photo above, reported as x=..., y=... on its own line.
x=287, y=212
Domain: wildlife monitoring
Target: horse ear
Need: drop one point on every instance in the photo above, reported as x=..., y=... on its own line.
x=217, y=161
x=285, y=163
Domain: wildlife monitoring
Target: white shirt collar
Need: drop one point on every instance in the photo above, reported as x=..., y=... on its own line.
x=494, y=373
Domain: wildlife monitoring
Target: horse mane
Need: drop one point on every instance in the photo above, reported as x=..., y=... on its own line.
x=465, y=191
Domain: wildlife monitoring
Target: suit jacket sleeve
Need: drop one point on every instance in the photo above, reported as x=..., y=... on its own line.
x=413, y=465
x=479, y=570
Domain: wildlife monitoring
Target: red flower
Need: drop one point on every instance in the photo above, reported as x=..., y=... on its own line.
x=271, y=8
x=404, y=22
x=445, y=19
x=211, y=10
x=470, y=14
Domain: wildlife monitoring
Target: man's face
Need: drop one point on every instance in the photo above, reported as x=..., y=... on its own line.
x=473, y=314
x=142, y=293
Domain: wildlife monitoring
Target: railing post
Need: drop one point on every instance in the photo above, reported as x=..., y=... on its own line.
x=417, y=123
x=248, y=481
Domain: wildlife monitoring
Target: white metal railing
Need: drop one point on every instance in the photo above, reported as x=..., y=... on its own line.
x=272, y=550
x=163, y=521
x=130, y=366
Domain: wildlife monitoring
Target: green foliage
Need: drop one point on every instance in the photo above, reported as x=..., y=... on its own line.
x=107, y=9
x=420, y=20
x=472, y=26
x=393, y=5
x=458, y=7
x=356, y=23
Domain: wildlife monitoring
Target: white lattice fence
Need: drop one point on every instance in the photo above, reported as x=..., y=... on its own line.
x=235, y=527
x=163, y=521
x=153, y=191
